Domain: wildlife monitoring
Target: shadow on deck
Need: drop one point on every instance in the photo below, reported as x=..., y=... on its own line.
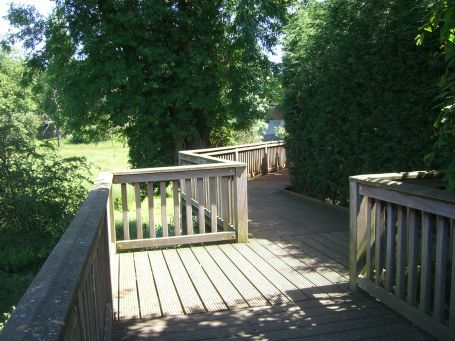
x=290, y=281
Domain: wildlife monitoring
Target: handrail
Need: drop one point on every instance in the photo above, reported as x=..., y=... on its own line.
x=238, y=146
x=260, y=158
x=401, y=246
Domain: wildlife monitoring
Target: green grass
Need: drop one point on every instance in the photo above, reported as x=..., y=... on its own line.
x=144, y=210
x=104, y=156
x=113, y=155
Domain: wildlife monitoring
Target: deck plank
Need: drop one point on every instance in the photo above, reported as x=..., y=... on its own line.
x=261, y=283
x=225, y=288
x=127, y=296
x=318, y=243
x=252, y=296
x=322, y=276
x=188, y=295
x=212, y=300
x=339, y=238
x=170, y=303
x=313, y=257
x=301, y=279
x=286, y=322
x=340, y=246
x=286, y=286
x=148, y=297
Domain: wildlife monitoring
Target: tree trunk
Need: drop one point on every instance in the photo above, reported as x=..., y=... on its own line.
x=59, y=137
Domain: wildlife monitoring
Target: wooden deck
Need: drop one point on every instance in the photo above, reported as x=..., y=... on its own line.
x=290, y=281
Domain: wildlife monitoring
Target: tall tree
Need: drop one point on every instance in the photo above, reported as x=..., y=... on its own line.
x=172, y=74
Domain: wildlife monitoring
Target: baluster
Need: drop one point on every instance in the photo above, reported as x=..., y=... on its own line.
x=390, y=250
x=218, y=196
x=452, y=277
x=401, y=251
x=231, y=201
x=440, y=271
x=163, y=209
x=126, y=227
x=189, y=212
x=241, y=204
x=379, y=229
x=151, y=204
x=201, y=207
x=225, y=202
x=370, y=240
x=412, y=257
x=213, y=209
x=425, y=277
x=175, y=189
x=137, y=195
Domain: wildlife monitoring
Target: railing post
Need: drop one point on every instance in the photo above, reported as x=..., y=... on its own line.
x=241, y=204
x=236, y=154
x=111, y=221
x=265, y=161
x=357, y=233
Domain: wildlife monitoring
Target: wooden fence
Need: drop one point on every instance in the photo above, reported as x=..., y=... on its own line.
x=202, y=195
x=208, y=191
x=71, y=296
x=402, y=247
x=259, y=158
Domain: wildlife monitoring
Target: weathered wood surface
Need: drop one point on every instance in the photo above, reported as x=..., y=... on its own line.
x=290, y=281
x=409, y=220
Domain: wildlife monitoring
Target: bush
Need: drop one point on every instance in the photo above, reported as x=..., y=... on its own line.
x=358, y=93
x=88, y=135
x=39, y=195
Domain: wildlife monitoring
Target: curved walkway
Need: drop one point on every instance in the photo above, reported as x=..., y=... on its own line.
x=289, y=282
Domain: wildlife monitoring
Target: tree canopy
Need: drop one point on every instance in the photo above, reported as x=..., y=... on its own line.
x=171, y=74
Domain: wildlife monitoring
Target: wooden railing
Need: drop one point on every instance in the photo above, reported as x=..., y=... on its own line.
x=71, y=297
x=208, y=191
x=402, y=247
x=209, y=204
x=259, y=158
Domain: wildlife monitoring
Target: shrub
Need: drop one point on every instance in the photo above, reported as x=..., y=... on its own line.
x=358, y=93
x=39, y=195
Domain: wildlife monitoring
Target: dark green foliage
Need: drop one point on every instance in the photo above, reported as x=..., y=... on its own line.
x=88, y=134
x=39, y=192
x=441, y=25
x=358, y=93
x=171, y=74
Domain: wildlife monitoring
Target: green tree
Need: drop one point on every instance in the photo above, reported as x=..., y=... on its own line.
x=39, y=192
x=171, y=74
x=441, y=24
x=358, y=93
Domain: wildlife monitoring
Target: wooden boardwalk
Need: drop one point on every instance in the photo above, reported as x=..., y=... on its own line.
x=289, y=282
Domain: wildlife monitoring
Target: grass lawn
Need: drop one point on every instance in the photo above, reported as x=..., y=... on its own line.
x=104, y=156
x=113, y=155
